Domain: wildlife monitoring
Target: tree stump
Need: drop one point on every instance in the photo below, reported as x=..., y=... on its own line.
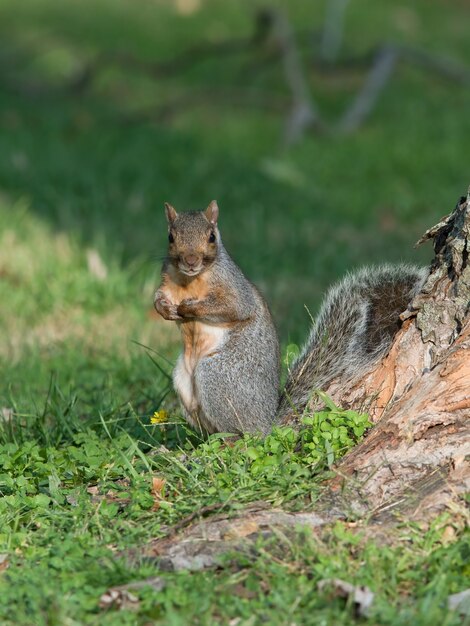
x=415, y=460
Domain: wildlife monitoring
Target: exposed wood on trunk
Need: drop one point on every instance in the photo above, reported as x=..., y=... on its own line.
x=419, y=396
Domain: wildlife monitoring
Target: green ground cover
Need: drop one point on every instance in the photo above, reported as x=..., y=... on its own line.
x=82, y=232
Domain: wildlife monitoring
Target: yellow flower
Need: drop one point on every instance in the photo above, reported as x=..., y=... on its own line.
x=159, y=417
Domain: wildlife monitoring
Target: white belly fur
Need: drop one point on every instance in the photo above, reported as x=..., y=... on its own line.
x=200, y=340
x=183, y=382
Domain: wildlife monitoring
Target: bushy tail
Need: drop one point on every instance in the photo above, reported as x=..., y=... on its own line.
x=353, y=330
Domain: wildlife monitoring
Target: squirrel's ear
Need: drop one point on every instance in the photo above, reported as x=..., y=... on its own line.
x=171, y=214
x=212, y=212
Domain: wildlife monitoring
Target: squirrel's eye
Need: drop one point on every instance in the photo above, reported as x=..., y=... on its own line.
x=212, y=237
x=171, y=239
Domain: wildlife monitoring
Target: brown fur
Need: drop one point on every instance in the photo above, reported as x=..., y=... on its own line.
x=178, y=287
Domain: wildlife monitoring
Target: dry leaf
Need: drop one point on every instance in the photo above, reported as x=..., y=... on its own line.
x=72, y=497
x=363, y=597
x=460, y=602
x=4, y=562
x=96, y=265
x=449, y=535
x=121, y=597
x=110, y=495
x=157, y=490
x=242, y=592
x=6, y=414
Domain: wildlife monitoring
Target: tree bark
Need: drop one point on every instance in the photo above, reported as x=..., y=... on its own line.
x=415, y=460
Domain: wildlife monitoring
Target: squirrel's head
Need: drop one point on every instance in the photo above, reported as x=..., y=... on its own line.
x=193, y=238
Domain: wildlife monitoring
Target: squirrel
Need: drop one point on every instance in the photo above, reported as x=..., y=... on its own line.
x=227, y=376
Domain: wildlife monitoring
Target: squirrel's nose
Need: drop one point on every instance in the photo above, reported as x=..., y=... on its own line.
x=191, y=259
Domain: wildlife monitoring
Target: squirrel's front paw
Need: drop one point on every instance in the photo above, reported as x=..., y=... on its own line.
x=186, y=308
x=167, y=309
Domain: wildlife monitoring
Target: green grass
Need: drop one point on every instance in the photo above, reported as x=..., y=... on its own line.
x=69, y=511
x=84, y=362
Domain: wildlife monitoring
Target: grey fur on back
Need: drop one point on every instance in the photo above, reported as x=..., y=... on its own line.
x=239, y=385
x=353, y=330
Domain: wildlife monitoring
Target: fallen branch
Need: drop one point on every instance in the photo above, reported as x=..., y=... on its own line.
x=366, y=99
x=383, y=64
x=333, y=29
x=304, y=112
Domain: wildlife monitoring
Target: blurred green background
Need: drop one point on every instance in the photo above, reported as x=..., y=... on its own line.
x=110, y=108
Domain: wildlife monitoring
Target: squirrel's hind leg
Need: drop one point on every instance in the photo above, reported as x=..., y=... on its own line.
x=185, y=386
x=231, y=397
